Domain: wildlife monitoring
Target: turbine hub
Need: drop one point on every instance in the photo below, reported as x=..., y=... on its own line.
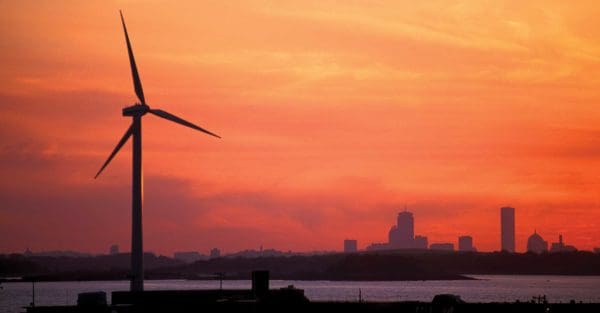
x=136, y=110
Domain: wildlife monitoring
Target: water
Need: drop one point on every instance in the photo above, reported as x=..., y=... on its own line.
x=487, y=288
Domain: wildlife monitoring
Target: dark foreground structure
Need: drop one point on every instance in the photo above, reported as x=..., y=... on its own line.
x=262, y=299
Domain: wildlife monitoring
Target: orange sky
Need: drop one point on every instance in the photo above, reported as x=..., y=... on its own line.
x=334, y=115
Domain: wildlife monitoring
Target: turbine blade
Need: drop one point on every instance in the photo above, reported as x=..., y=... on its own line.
x=168, y=116
x=117, y=148
x=137, y=83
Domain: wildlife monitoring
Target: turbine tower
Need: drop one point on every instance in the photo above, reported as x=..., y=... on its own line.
x=136, y=112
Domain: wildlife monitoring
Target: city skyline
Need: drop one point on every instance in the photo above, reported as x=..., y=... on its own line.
x=405, y=219
x=335, y=116
x=404, y=227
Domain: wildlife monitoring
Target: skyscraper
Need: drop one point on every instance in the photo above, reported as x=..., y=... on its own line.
x=350, y=245
x=420, y=242
x=507, y=228
x=402, y=235
x=406, y=225
x=465, y=243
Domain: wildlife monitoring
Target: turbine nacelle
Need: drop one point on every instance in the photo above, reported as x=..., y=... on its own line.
x=136, y=110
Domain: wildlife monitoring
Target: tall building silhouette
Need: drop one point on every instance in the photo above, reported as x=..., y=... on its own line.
x=507, y=228
x=465, y=243
x=420, y=242
x=350, y=245
x=402, y=235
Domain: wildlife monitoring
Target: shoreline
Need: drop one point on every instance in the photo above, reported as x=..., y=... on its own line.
x=49, y=280
x=460, y=277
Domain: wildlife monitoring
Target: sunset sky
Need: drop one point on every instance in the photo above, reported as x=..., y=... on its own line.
x=334, y=116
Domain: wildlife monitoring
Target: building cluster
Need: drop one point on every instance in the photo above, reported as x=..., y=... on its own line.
x=537, y=244
x=193, y=256
x=402, y=236
x=189, y=256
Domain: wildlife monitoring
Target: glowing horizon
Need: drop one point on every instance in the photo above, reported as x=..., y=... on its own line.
x=333, y=117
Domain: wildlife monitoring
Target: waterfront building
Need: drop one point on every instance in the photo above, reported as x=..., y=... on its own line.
x=507, y=229
x=465, y=243
x=536, y=243
x=402, y=235
x=189, y=256
x=350, y=245
x=376, y=246
x=442, y=246
x=420, y=242
x=561, y=247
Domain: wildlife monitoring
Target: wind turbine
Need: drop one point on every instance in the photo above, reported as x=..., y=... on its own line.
x=136, y=112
